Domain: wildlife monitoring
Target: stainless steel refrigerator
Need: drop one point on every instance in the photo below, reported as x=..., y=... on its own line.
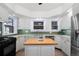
x=0, y=29
x=75, y=35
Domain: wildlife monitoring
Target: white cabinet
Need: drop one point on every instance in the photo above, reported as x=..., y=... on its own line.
x=19, y=43
x=64, y=43
x=47, y=50
x=59, y=41
x=32, y=50
x=39, y=50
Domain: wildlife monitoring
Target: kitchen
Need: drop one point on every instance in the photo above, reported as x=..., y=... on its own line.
x=33, y=23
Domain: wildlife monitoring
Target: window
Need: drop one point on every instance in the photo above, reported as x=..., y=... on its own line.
x=38, y=25
x=54, y=25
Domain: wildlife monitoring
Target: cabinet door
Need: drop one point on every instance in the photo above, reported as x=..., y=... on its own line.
x=59, y=41
x=63, y=47
x=21, y=41
x=18, y=45
x=47, y=50
x=31, y=50
x=67, y=48
x=66, y=45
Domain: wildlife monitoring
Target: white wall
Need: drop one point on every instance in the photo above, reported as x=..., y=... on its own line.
x=24, y=22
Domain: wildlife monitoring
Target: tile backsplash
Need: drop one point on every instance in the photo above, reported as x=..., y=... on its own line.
x=28, y=31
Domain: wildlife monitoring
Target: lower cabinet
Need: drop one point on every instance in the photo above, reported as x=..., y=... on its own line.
x=59, y=41
x=66, y=47
x=64, y=43
x=39, y=50
x=32, y=50
x=19, y=43
x=47, y=50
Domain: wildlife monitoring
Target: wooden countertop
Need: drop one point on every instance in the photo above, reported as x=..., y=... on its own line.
x=35, y=41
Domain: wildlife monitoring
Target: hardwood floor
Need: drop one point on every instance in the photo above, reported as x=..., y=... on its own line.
x=57, y=53
x=20, y=53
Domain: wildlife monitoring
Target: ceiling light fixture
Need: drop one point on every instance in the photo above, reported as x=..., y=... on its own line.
x=40, y=3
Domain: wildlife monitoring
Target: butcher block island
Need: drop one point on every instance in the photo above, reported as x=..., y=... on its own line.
x=40, y=47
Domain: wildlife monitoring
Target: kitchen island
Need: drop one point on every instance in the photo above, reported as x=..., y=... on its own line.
x=40, y=47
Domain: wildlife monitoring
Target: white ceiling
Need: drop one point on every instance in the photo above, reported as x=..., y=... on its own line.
x=43, y=7
x=35, y=10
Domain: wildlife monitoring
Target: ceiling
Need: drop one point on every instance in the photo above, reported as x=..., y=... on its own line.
x=36, y=10
x=42, y=7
